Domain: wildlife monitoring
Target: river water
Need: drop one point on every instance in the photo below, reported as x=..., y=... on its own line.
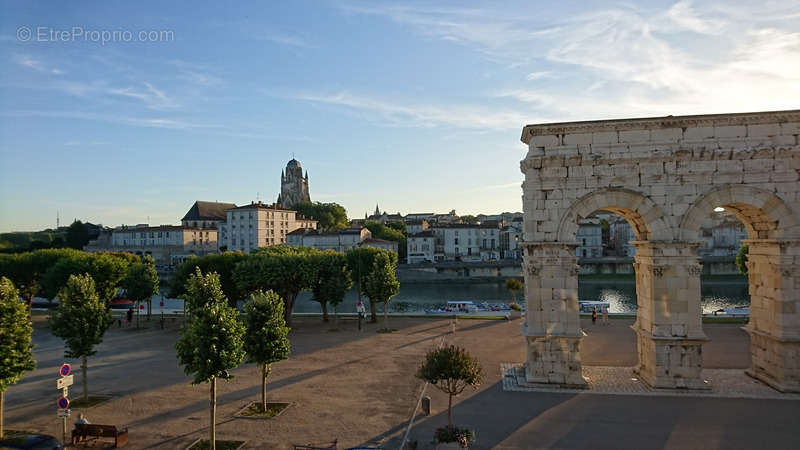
x=620, y=294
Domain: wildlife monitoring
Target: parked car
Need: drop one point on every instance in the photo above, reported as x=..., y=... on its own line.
x=31, y=441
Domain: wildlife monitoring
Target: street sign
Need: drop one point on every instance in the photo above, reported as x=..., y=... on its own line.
x=65, y=369
x=64, y=382
x=141, y=306
x=63, y=413
x=63, y=403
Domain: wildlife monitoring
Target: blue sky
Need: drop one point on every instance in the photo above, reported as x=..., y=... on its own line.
x=417, y=106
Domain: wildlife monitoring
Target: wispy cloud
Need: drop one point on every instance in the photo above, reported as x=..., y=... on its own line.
x=37, y=65
x=533, y=76
x=152, y=97
x=404, y=113
x=624, y=60
x=494, y=187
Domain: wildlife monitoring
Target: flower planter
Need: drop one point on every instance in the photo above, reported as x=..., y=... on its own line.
x=514, y=314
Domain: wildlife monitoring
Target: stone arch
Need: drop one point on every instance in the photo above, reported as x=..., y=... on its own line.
x=764, y=215
x=645, y=217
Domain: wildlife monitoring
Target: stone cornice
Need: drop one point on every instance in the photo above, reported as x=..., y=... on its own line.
x=704, y=120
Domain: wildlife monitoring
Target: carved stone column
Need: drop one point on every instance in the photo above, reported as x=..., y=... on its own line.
x=669, y=318
x=774, y=281
x=552, y=324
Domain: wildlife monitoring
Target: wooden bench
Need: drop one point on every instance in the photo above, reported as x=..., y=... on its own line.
x=85, y=430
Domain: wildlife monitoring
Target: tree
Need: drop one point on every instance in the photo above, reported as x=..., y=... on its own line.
x=331, y=216
x=360, y=262
x=27, y=270
x=333, y=281
x=284, y=269
x=381, y=283
x=81, y=320
x=267, y=338
x=451, y=369
x=741, y=259
x=390, y=231
x=222, y=264
x=15, y=340
x=212, y=342
x=469, y=219
x=77, y=235
x=107, y=271
x=141, y=283
x=513, y=285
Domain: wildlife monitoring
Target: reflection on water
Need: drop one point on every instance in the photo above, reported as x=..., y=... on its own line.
x=620, y=294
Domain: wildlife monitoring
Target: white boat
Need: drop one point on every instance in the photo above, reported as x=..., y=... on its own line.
x=587, y=306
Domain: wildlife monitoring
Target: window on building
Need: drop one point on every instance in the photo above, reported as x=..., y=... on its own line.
x=493, y=243
x=456, y=241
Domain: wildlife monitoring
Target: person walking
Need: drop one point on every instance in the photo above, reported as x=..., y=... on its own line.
x=594, y=315
x=605, y=315
x=129, y=316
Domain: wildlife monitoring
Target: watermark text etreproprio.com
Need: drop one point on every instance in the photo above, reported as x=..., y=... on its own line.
x=102, y=37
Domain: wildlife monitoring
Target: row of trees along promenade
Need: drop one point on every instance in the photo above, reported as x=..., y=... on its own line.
x=215, y=339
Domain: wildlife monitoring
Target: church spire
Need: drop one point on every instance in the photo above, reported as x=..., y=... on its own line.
x=377, y=211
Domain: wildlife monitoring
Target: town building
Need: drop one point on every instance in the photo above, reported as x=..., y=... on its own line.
x=167, y=244
x=421, y=246
x=258, y=225
x=465, y=242
x=206, y=214
x=294, y=186
x=416, y=226
x=511, y=238
x=342, y=240
x=380, y=243
x=590, y=238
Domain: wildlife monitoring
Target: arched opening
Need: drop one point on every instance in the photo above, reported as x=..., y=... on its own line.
x=773, y=242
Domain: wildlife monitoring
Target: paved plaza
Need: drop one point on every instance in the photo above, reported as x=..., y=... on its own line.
x=359, y=388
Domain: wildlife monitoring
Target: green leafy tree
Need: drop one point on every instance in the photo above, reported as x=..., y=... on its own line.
x=267, y=338
x=451, y=369
x=223, y=264
x=81, y=320
x=141, y=284
x=77, y=235
x=333, y=281
x=381, y=283
x=107, y=271
x=211, y=344
x=331, y=216
x=513, y=285
x=741, y=259
x=360, y=261
x=469, y=219
x=284, y=269
x=15, y=340
x=27, y=270
x=391, y=231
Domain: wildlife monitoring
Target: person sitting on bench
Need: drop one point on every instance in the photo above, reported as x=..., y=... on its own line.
x=79, y=421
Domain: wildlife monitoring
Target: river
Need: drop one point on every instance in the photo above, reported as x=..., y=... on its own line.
x=620, y=294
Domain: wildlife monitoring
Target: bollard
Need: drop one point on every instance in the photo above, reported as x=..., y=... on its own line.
x=426, y=405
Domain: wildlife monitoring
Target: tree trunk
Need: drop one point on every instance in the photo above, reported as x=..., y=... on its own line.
x=1, y=414
x=324, y=311
x=386, y=315
x=264, y=375
x=335, y=318
x=149, y=308
x=449, y=408
x=137, y=315
x=84, y=366
x=372, y=312
x=212, y=444
x=287, y=312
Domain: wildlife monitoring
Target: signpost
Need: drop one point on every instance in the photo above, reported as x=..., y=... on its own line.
x=64, y=383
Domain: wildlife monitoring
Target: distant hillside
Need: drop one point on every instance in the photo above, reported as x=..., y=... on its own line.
x=76, y=236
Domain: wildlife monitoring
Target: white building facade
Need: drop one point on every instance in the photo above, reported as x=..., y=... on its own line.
x=421, y=247
x=258, y=225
